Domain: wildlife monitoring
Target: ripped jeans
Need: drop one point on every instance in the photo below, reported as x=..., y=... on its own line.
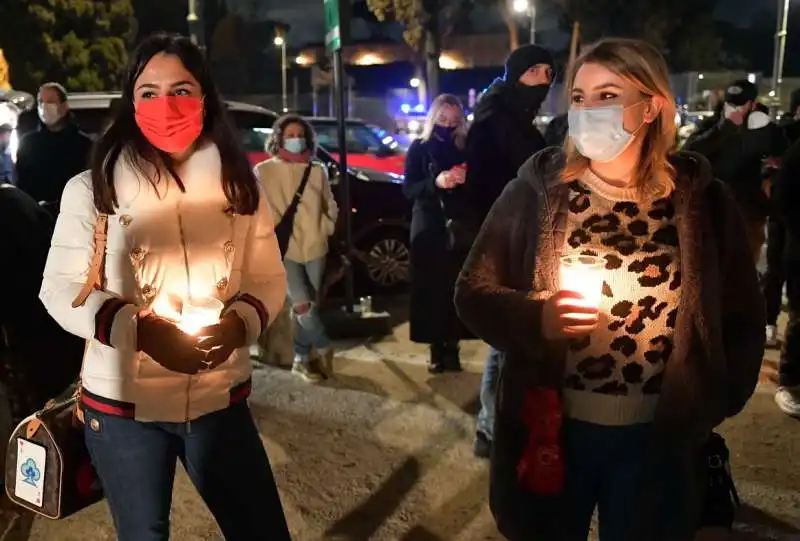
x=304, y=281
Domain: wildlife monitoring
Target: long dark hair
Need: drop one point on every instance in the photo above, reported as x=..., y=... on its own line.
x=123, y=139
x=275, y=142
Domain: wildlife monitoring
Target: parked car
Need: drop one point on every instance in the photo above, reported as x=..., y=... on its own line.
x=368, y=147
x=380, y=214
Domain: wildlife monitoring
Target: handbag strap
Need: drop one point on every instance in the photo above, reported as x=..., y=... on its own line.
x=94, y=280
x=292, y=208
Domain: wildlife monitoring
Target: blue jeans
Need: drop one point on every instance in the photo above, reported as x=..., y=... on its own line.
x=491, y=376
x=304, y=281
x=223, y=455
x=605, y=466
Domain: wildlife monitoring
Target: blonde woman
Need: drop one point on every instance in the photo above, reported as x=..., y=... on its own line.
x=434, y=182
x=619, y=385
x=293, y=146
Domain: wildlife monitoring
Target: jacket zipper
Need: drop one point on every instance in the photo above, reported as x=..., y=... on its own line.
x=188, y=292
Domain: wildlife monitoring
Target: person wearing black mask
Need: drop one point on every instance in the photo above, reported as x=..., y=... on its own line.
x=434, y=182
x=58, y=151
x=502, y=137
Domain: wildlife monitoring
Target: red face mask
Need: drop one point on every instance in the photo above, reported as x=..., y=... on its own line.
x=170, y=123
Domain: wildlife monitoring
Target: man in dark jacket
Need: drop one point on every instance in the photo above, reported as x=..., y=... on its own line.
x=779, y=255
x=58, y=151
x=502, y=137
x=738, y=148
x=786, y=196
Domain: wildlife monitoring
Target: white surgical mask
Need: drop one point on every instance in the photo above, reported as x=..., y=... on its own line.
x=598, y=132
x=729, y=109
x=50, y=113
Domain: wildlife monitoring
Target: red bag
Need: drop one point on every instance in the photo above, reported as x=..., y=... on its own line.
x=541, y=469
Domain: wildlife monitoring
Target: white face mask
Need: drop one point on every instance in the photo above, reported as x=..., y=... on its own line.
x=50, y=113
x=598, y=132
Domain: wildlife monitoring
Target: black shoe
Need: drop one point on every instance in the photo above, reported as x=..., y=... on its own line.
x=483, y=445
x=436, y=364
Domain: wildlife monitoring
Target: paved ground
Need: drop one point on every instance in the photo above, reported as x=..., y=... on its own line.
x=384, y=453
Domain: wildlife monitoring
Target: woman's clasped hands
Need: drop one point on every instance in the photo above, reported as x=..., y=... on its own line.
x=567, y=315
x=447, y=180
x=178, y=351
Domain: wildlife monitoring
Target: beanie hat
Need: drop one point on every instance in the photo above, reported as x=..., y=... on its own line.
x=524, y=58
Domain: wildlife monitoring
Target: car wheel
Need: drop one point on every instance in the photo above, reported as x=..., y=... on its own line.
x=386, y=264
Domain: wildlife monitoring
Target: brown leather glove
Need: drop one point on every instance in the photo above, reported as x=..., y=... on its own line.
x=221, y=340
x=167, y=345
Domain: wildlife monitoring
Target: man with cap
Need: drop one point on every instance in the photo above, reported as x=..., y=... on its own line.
x=742, y=148
x=48, y=158
x=502, y=137
x=6, y=163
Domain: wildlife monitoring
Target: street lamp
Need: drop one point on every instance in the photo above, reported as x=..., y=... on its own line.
x=780, y=48
x=195, y=23
x=527, y=6
x=281, y=42
x=414, y=82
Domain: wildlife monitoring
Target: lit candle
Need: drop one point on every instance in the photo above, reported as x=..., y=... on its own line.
x=198, y=313
x=583, y=274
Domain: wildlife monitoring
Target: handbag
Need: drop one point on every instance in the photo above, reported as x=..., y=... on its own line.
x=48, y=469
x=284, y=228
x=721, y=499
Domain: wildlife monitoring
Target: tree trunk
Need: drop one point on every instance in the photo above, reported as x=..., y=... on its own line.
x=433, y=50
x=513, y=29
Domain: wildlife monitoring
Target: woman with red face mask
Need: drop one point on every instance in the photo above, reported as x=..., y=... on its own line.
x=192, y=276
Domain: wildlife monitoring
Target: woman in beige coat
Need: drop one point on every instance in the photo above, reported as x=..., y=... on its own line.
x=293, y=146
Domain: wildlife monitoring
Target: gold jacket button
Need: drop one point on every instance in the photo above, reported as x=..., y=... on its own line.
x=229, y=247
x=148, y=291
x=94, y=425
x=137, y=254
x=125, y=220
x=222, y=284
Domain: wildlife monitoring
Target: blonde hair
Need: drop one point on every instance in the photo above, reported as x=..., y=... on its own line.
x=443, y=100
x=640, y=64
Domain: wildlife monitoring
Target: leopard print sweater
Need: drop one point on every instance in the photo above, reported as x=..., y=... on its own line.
x=613, y=376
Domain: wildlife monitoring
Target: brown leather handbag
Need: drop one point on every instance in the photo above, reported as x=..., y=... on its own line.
x=48, y=469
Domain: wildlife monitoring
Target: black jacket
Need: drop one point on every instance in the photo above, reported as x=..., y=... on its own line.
x=47, y=160
x=786, y=197
x=736, y=155
x=501, y=138
x=40, y=358
x=718, y=339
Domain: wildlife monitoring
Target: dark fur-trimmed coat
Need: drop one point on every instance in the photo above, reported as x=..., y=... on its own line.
x=718, y=340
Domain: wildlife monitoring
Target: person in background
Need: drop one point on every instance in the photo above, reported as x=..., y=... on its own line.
x=6, y=163
x=293, y=146
x=739, y=147
x=49, y=157
x=786, y=195
x=610, y=385
x=502, y=136
x=188, y=227
x=434, y=183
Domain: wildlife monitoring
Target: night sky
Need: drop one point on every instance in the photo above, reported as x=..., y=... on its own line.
x=306, y=16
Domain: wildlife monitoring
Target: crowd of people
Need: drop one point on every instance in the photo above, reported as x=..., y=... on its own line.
x=590, y=399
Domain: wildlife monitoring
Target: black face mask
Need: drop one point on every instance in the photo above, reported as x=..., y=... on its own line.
x=530, y=97
x=443, y=132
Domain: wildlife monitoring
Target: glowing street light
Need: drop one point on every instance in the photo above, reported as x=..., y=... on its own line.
x=279, y=41
x=521, y=6
x=414, y=82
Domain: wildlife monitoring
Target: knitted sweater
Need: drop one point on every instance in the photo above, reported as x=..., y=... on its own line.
x=613, y=375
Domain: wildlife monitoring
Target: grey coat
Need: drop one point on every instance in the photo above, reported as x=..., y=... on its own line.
x=719, y=333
